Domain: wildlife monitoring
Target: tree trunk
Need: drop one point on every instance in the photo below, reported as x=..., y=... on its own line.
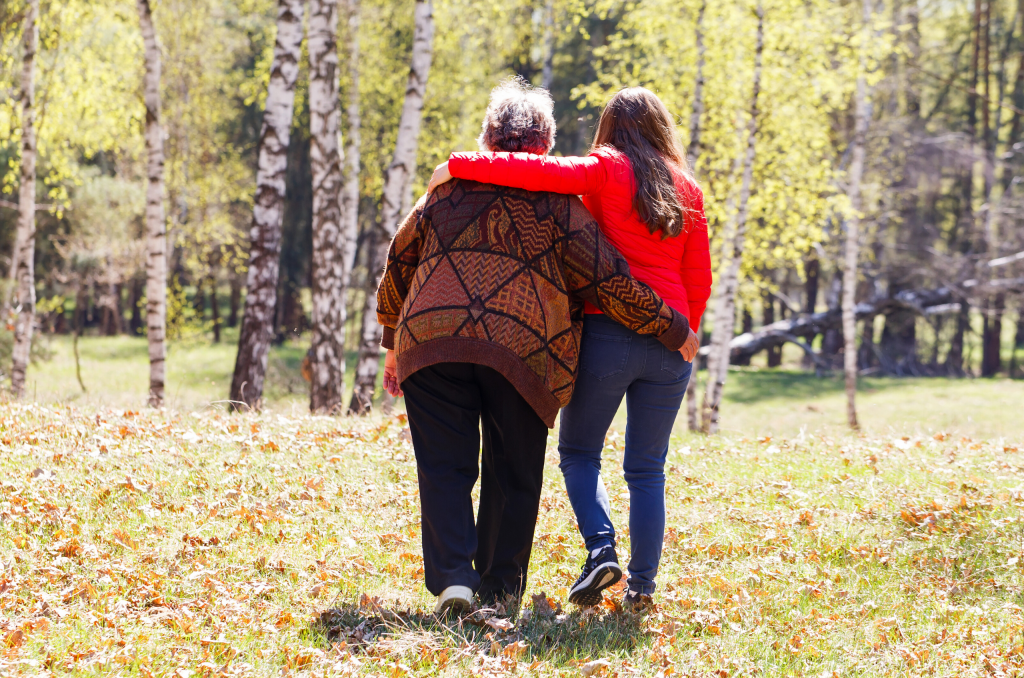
x=214, y=309
x=327, y=349
x=955, y=356
x=110, y=307
x=993, y=320
x=812, y=272
x=350, y=193
x=991, y=359
x=156, y=227
x=199, y=300
x=693, y=155
x=768, y=317
x=862, y=115
x=265, y=236
x=548, y=71
x=725, y=310
x=697, y=114
x=866, y=351
x=692, y=420
x=25, y=240
x=134, y=297
x=1018, y=341
x=235, y=301
x=397, y=185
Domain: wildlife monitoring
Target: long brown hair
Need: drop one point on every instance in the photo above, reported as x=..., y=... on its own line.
x=637, y=123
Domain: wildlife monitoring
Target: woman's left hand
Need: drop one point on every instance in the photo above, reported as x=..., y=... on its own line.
x=440, y=176
x=690, y=347
x=391, y=375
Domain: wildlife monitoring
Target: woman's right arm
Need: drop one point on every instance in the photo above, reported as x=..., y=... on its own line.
x=568, y=175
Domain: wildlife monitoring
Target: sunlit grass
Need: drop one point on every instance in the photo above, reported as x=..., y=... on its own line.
x=144, y=543
x=758, y=402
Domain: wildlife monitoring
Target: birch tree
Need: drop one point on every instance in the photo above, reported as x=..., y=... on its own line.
x=548, y=68
x=156, y=225
x=732, y=256
x=353, y=157
x=860, y=131
x=25, y=239
x=693, y=154
x=327, y=352
x=268, y=210
x=396, y=195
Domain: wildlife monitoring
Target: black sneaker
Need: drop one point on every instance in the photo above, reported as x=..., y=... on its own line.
x=599, y=572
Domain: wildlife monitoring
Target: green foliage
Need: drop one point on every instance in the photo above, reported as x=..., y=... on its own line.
x=184, y=323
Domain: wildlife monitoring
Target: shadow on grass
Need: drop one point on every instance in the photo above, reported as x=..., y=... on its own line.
x=423, y=640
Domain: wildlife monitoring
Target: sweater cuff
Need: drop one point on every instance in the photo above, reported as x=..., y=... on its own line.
x=387, y=339
x=675, y=336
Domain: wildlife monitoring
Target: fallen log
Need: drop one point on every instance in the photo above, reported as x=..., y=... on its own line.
x=797, y=329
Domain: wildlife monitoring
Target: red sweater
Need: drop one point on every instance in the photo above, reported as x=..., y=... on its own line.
x=678, y=269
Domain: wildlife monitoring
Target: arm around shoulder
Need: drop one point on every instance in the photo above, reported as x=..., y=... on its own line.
x=566, y=175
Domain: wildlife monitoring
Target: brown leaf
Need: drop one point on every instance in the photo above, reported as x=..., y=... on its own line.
x=14, y=638
x=544, y=606
x=499, y=624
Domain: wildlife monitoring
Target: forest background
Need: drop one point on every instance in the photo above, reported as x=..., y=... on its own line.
x=888, y=131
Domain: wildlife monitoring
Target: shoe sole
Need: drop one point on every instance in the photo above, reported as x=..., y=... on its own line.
x=453, y=605
x=588, y=592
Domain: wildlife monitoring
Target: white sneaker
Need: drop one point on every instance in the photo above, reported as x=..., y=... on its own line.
x=457, y=598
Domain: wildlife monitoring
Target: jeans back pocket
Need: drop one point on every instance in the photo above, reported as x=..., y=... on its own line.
x=604, y=355
x=673, y=363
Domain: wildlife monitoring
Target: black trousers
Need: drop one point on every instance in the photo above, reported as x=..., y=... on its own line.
x=448, y=406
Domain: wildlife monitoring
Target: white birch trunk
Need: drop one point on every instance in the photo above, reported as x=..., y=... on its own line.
x=397, y=196
x=853, y=228
x=25, y=239
x=548, y=70
x=693, y=151
x=725, y=308
x=327, y=352
x=156, y=224
x=350, y=196
x=693, y=154
x=268, y=211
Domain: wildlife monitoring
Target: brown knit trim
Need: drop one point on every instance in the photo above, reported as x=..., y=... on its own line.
x=675, y=336
x=387, y=339
x=490, y=354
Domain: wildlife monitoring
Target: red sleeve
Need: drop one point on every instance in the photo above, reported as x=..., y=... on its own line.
x=695, y=269
x=569, y=175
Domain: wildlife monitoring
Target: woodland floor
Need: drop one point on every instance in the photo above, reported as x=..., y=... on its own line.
x=202, y=544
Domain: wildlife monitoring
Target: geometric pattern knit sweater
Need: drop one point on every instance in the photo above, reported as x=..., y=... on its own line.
x=497, y=276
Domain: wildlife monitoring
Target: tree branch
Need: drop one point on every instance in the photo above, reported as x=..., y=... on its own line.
x=40, y=207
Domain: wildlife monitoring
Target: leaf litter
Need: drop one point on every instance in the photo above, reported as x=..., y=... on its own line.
x=161, y=544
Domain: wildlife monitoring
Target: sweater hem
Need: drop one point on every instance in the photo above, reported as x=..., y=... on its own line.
x=488, y=354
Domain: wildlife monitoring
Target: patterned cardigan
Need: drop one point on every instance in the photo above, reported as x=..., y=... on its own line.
x=497, y=276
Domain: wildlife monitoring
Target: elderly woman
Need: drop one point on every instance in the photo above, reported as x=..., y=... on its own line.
x=482, y=304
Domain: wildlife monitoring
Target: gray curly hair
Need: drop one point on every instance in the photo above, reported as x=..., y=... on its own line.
x=520, y=117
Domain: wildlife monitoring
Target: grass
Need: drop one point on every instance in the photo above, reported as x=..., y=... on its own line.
x=201, y=544
x=757, y=402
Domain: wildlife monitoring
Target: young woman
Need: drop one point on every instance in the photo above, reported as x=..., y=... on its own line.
x=638, y=186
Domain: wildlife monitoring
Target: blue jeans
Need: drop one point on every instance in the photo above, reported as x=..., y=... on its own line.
x=617, y=362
